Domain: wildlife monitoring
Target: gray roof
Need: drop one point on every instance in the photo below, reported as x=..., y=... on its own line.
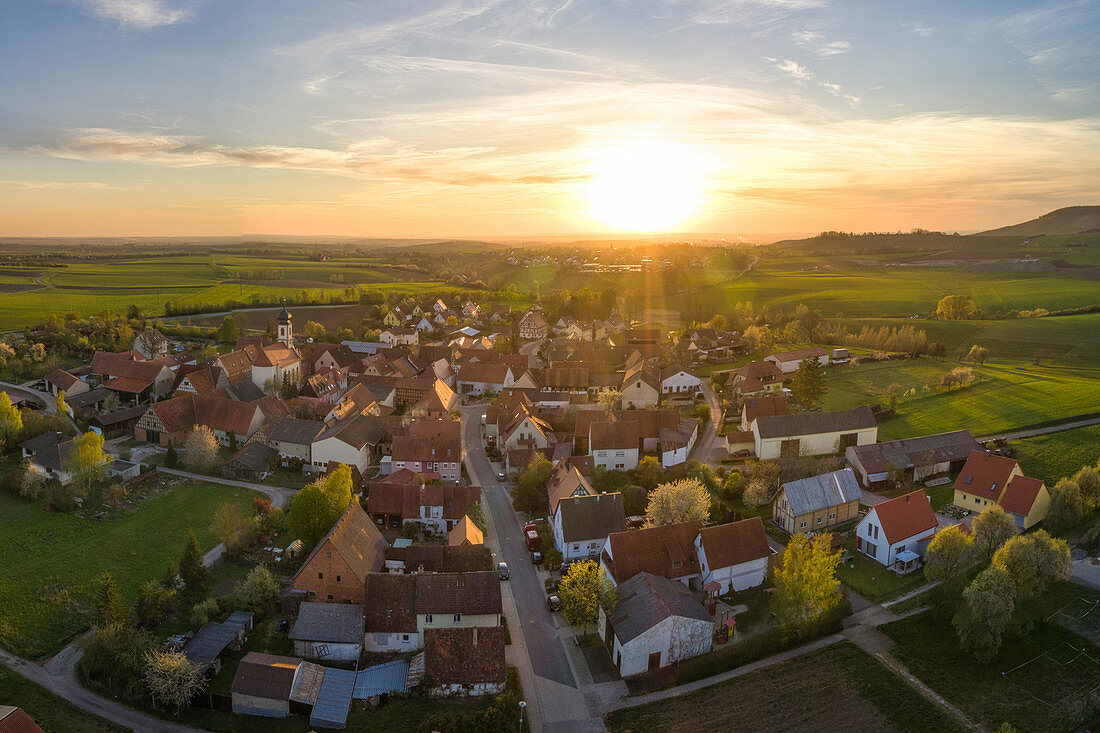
x=820, y=492
x=646, y=600
x=245, y=391
x=209, y=643
x=910, y=452
x=91, y=397
x=255, y=456
x=293, y=430
x=591, y=517
x=813, y=423
x=50, y=450
x=357, y=431
x=336, y=623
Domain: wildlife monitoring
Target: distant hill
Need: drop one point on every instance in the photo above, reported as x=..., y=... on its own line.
x=1070, y=220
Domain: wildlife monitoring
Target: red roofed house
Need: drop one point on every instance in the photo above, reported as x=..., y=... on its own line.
x=758, y=378
x=432, y=447
x=991, y=479
x=402, y=497
x=336, y=570
x=896, y=533
x=734, y=555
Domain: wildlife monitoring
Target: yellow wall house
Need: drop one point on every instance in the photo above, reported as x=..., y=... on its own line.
x=991, y=479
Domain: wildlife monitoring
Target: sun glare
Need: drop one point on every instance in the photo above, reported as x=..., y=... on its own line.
x=645, y=186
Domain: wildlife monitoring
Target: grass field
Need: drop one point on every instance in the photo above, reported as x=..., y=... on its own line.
x=52, y=713
x=1056, y=455
x=1047, y=695
x=51, y=561
x=1006, y=395
x=872, y=581
x=836, y=688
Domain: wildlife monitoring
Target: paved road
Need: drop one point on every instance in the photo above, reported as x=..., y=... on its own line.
x=279, y=496
x=541, y=636
x=707, y=442
x=1044, y=431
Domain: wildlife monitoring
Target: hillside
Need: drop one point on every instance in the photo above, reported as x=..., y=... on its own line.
x=1070, y=220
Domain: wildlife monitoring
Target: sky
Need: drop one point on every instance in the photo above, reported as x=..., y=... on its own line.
x=494, y=118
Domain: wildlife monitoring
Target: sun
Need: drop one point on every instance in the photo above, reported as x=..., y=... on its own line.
x=645, y=186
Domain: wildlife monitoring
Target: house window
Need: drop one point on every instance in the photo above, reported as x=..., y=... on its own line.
x=330, y=596
x=820, y=520
x=320, y=576
x=802, y=525
x=404, y=637
x=677, y=564
x=458, y=618
x=869, y=549
x=337, y=578
x=832, y=516
x=427, y=618
x=312, y=594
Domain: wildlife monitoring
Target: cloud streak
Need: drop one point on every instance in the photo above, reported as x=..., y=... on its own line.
x=135, y=13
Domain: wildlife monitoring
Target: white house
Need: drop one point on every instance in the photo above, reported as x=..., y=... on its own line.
x=614, y=445
x=677, y=444
x=582, y=524
x=656, y=622
x=479, y=378
x=675, y=380
x=896, y=533
x=329, y=631
x=788, y=361
x=734, y=555
x=400, y=336
x=813, y=433
x=353, y=441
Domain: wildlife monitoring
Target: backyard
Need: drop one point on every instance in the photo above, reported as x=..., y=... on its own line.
x=873, y=581
x=52, y=561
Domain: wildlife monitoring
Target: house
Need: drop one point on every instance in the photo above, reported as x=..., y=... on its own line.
x=465, y=661
x=132, y=378
x=566, y=481
x=641, y=385
x=50, y=455
x=264, y=684
x=201, y=379
x=615, y=445
x=656, y=622
x=402, y=497
x=355, y=441
x=407, y=557
x=293, y=438
x=335, y=570
x=676, y=380
x=60, y=380
x=439, y=402
x=151, y=344
x=400, y=608
x=465, y=533
x=329, y=631
x=816, y=503
x=733, y=555
x=581, y=524
x=253, y=462
x=668, y=551
x=391, y=319
x=525, y=429
x=896, y=532
x=170, y=422
x=532, y=325
x=788, y=361
x=813, y=433
x=878, y=465
x=400, y=336
x=274, y=365
x=320, y=357
x=987, y=479
x=757, y=378
x=478, y=378
x=432, y=448
x=764, y=406
x=16, y=720
x=324, y=386
x=677, y=443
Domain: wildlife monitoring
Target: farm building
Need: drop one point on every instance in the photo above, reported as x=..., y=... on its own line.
x=788, y=361
x=335, y=570
x=330, y=631
x=911, y=459
x=818, y=502
x=263, y=685
x=813, y=433
x=896, y=533
x=656, y=622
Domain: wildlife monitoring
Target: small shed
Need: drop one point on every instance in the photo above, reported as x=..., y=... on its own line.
x=264, y=684
x=329, y=631
x=253, y=462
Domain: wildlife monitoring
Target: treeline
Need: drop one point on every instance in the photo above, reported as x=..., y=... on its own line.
x=259, y=275
x=962, y=308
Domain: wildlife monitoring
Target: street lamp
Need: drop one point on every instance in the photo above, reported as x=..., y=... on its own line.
x=522, y=707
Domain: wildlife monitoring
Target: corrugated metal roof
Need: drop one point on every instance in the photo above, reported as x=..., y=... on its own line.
x=382, y=679
x=333, y=699
x=819, y=492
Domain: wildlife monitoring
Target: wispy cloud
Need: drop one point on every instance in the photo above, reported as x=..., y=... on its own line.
x=801, y=74
x=53, y=185
x=794, y=69
x=820, y=44
x=919, y=29
x=136, y=13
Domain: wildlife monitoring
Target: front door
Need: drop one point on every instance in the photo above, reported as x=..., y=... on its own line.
x=654, y=661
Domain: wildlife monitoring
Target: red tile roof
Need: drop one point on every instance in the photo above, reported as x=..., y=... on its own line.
x=985, y=475
x=465, y=656
x=905, y=516
x=1020, y=495
x=654, y=550
x=737, y=542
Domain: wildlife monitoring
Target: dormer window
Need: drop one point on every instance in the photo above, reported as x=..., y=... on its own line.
x=968, y=480
x=677, y=564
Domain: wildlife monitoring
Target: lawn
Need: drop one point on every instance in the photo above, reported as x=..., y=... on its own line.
x=1045, y=695
x=836, y=688
x=51, y=561
x=1004, y=397
x=1055, y=455
x=873, y=581
x=53, y=714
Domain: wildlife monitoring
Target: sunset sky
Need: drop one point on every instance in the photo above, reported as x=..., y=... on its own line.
x=514, y=117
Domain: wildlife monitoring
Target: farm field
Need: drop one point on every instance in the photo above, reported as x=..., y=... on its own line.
x=839, y=687
x=1006, y=395
x=52, y=560
x=1056, y=455
x=1049, y=694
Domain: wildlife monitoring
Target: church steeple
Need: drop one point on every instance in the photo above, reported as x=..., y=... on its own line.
x=286, y=329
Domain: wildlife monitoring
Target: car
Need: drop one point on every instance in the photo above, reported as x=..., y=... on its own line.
x=553, y=602
x=502, y=570
x=530, y=525
x=282, y=625
x=536, y=557
x=500, y=475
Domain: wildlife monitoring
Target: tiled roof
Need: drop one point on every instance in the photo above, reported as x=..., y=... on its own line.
x=646, y=600
x=566, y=480
x=389, y=603
x=465, y=532
x=798, y=355
x=737, y=542
x=905, y=516
x=766, y=406
x=357, y=540
x=655, y=550
x=614, y=436
x=468, y=593
x=591, y=517
x=1020, y=495
x=61, y=379
x=465, y=656
x=985, y=474
x=266, y=676
x=293, y=430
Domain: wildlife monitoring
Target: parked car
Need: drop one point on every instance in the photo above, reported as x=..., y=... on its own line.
x=536, y=558
x=502, y=570
x=553, y=602
x=500, y=476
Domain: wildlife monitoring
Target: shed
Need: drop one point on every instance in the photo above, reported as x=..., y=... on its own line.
x=264, y=684
x=330, y=631
x=818, y=502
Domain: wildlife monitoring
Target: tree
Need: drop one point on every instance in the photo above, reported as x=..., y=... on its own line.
x=1067, y=505
x=88, y=458
x=610, y=399
x=583, y=591
x=192, y=569
x=808, y=382
x=978, y=355
x=948, y=553
x=171, y=457
x=11, y=422
x=992, y=528
x=228, y=332
x=989, y=603
x=317, y=507
x=806, y=586
x=477, y=515
x=108, y=608
x=60, y=403
x=172, y=679
x=114, y=656
x=151, y=604
x=648, y=472
x=955, y=308
x=288, y=389
x=259, y=591
x=32, y=484
x=678, y=501
x=231, y=526
x=527, y=496
x=634, y=500
x=200, y=450
x=1031, y=560
x=1088, y=480
x=892, y=393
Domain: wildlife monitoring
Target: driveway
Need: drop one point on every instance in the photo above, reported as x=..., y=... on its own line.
x=279, y=496
x=705, y=445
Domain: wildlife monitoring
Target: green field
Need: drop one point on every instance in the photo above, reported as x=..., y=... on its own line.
x=1057, y=455
x=1005, y=396
x=839, y=687
x=51, y=561
x=53, y=714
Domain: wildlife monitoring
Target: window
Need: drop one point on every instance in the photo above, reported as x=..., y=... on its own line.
x=404, y=637
x=427, y=618
x=337, y=578
x=330, y=596
x=820, y=520
x=802, y=525
x=312, y=594
x=832, y=516
x=677, y=564
x=458, y=618
x=320, y=576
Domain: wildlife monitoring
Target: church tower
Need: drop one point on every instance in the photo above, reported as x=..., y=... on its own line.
x=286, y=330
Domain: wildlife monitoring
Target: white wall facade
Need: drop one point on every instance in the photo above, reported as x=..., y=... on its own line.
x=333, y=652
x=615, y=459
x=680, y=383
x=873, y=542
x=734, y=577
x=817, y=444
x=334, y=449
x=676, y=638
x=395, y=642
